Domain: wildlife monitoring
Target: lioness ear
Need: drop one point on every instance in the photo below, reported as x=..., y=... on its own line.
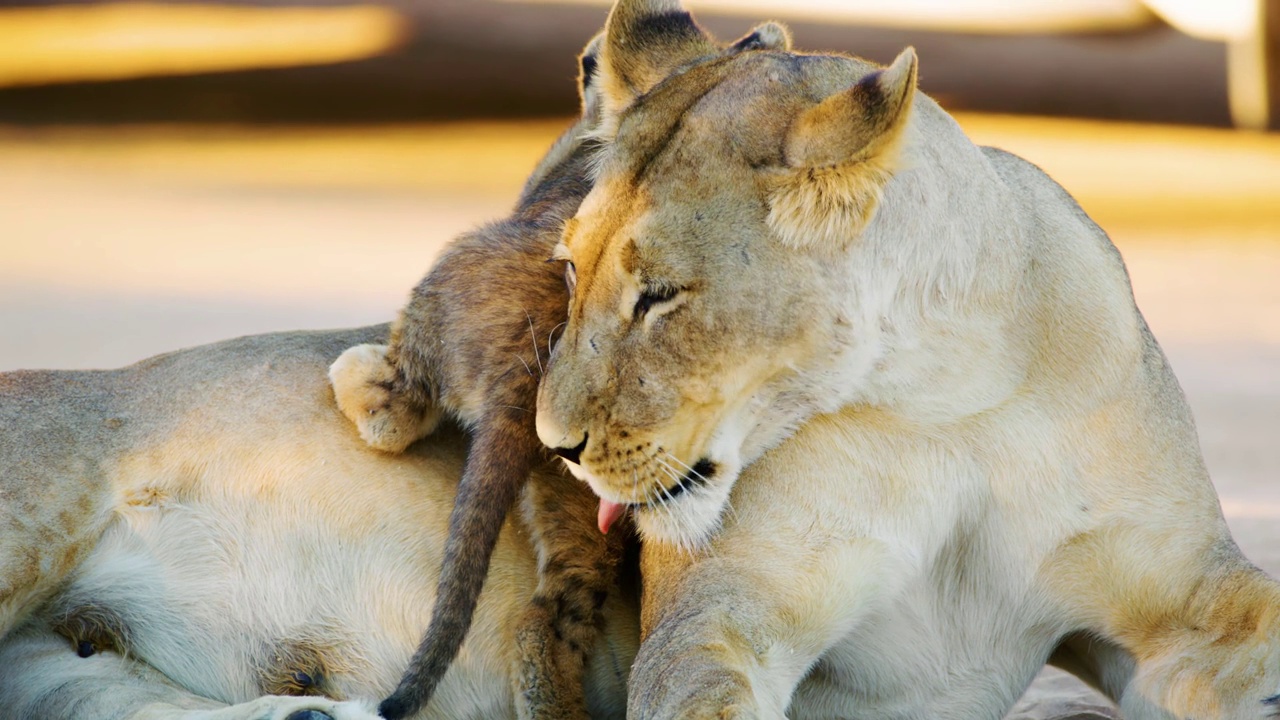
x=857, y=123
x=644, y=41
x=765, y=36
x=839, y=154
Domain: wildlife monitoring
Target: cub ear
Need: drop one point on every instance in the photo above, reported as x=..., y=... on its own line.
x=589, y=77
x=765, y=36
x=644, y=42
x=839, y=154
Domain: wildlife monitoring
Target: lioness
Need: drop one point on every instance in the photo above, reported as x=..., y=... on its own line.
x=1007, y=470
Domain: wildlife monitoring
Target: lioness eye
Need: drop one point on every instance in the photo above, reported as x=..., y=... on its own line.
x=570, y=276
x=651, y=296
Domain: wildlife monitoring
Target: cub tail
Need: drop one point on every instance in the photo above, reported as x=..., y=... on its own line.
x=504, y=449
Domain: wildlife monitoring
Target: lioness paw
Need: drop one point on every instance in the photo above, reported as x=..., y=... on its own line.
x=280, y=707
x=363, y=385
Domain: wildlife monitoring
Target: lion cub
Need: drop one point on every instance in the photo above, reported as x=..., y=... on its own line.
x=472, y=342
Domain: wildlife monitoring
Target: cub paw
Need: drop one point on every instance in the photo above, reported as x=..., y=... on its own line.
x=363, y=384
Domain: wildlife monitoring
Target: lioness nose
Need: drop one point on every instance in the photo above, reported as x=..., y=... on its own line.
x=572, y=454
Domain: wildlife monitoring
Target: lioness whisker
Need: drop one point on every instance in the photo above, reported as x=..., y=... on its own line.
x=669, y=472
x=682, y=464
x=732, y=510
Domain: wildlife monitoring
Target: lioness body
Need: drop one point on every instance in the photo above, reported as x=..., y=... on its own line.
x=253, y=545
x=1008, y=471
x=53, y=508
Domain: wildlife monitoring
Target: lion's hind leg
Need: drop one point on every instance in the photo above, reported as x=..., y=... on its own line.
x=365, y=386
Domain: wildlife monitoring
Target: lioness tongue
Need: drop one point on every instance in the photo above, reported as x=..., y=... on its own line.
x=609, y=512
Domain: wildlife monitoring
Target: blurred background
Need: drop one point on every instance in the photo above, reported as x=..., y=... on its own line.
x=173, y=173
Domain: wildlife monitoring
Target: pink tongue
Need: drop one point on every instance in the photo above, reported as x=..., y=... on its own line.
x=609, y=512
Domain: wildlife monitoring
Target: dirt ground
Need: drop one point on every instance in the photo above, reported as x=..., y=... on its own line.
x=119, y=244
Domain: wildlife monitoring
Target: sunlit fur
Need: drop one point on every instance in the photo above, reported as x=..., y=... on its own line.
x=993, y=466
x=248, y=535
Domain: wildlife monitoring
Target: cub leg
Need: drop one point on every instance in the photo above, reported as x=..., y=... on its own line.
x=369, y=393
x=577, y=566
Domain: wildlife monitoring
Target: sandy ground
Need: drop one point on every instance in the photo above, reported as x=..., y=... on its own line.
x=118, y=244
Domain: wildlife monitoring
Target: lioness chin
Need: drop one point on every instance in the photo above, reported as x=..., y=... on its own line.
x=1005, y=473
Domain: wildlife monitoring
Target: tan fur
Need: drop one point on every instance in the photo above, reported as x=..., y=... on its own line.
x=830, y=187
x=250, y=536
x=993, y=459
x=51, y=510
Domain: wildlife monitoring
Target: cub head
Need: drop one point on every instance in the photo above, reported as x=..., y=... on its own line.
x=706, y=265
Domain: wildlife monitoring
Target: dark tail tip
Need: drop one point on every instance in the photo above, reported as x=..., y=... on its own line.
x=396, y=707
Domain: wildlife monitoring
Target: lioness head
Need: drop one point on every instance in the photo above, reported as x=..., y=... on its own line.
x=712, y=305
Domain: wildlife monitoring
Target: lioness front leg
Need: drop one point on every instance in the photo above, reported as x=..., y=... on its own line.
x=277, y=707
x=727, y=636
x=42, y=677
